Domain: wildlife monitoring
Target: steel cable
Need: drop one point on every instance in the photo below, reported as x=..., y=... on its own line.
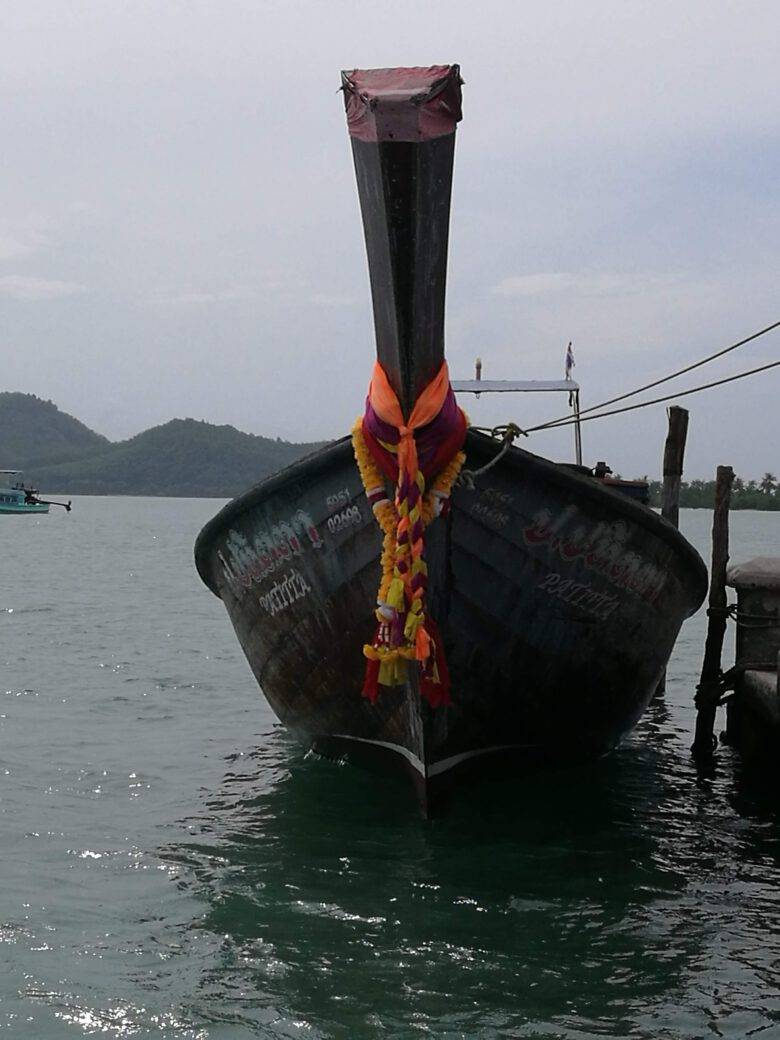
x=572, y=420
x=564, y=420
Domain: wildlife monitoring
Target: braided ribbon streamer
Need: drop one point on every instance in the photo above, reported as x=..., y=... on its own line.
x=409, y=452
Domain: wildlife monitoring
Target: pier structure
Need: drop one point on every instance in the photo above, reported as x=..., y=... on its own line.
x=750, y=689
x=753, y=713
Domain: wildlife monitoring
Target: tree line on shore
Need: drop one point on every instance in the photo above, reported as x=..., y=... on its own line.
x=745, y=494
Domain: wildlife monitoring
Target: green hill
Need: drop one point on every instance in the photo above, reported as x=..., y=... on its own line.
x=183, y=457
x=34, y=431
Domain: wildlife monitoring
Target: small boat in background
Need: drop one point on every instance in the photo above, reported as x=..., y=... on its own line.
x=18, y=500
x=553, y=597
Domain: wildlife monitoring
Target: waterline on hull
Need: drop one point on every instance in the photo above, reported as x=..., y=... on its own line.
x=445, y=764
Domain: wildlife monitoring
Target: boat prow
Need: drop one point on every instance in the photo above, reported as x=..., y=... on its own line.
x=558, y=599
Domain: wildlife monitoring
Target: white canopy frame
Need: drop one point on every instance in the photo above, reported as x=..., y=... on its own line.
x=527, y=386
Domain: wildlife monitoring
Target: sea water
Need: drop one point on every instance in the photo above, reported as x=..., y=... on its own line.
x=173, y=865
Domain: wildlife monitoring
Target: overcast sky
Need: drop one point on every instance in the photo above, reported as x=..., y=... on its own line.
x=180, y=235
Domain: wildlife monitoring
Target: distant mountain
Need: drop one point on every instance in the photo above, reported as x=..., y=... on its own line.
x=183, y=457
x=33, y=431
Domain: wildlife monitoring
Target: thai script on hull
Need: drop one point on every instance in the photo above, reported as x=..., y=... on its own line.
x=580, y=595
x=285, y=592
x=245, y=561
x=602, y=547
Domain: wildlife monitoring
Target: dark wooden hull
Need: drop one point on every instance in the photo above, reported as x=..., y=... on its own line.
x=559, y=602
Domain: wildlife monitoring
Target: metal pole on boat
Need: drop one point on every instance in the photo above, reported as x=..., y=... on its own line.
x=577, y=427
x=709, y=690
x=45, y=502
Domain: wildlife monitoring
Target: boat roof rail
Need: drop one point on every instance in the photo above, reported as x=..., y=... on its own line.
x=526, y=386
x=505, y=386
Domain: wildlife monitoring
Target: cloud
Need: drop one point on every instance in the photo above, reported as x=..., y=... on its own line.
x=585, y=285
x=21, y=235
x=333, y=300
x=11, y=246
x=261, y=286
x=234, y=292
x=20, y=287
x=21, y=241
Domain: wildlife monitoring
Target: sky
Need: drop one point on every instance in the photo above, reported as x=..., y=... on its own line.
x=180, y=234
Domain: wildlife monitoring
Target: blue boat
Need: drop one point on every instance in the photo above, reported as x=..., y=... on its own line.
x=18, y=500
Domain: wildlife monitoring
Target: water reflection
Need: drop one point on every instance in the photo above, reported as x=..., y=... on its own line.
x=572, y=904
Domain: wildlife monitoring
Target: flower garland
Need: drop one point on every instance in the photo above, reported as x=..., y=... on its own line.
x=404, y=634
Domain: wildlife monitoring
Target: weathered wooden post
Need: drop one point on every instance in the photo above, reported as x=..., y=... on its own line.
x=709, y=690
x=674, y=453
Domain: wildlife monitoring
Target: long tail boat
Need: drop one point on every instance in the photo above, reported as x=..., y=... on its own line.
x=524, y=616
x=17, y=499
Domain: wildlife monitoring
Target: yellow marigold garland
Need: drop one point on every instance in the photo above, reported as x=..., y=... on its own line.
x=393, y=661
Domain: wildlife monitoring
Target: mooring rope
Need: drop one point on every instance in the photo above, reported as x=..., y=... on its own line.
x=743, y=619
x=508, y=432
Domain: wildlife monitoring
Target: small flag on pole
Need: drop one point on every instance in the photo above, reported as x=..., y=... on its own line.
x=569, y=360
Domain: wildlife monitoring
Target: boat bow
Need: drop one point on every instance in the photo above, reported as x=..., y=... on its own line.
x=402, y=127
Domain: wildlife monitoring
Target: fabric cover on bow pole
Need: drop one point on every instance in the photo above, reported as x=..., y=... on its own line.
x=409, y=453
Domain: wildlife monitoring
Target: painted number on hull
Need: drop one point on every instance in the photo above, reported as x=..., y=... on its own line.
x=350, y=517
x=338, y=498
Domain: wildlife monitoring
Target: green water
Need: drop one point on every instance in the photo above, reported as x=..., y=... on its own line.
x=174, y=866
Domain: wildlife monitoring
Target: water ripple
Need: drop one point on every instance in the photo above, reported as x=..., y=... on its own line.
x=174, y=866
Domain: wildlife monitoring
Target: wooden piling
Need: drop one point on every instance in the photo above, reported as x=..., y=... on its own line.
x=709, y=690
x=674, y=452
